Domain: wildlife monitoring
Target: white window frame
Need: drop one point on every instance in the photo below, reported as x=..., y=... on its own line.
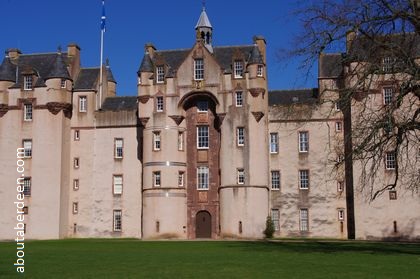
x=260, y=72
x=119, y=148
x=75, y=207
x=160, y=104
x=28, y=81
x=390, y=161
x=240, y=136
x=199, y=69
x=63, y=83
x=275, y=180
x=27, y=146
x=181, y=178
x=275, y=217
x=76, y=135
x=160, y=74
x=304, y=220
x=339, y=126
x=157, y=178
x=117, y=220
x=27, y=186
x=303, y=141
x=340, y=186
x=118, y=184
x=238, y=68
x=239, y=98
x=76, y=184
x=341, y=214
x=27, y=112
x=203, y=178
x=180, y=141
x=82, y=103
x=388, y=95
x=203, y=137
x=304, y=179
x=76, y=162
x=337, y=106
x=240, y=177
x=274, y=143
x=388, y=64
x=157, y=143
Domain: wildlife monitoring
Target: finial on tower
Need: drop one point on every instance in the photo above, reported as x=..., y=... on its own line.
x=204, y=4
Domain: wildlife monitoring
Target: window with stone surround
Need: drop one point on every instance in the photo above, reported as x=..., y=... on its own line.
x=117, y=220
x=240, y=136
x=198, y=69
x=275, y=217
x=160, y=74
x=202, y=137
x=159, y=104
x=157, y=179
x=390, y=161
x=27, y=146
x=203, y=178
x=239, y=98
x=156, y=141
x=28, y=82
x=238, y=68
x=304, y=219
x=118, y=184
x=118, y=152
x=303, y=141
x=82, y=104
x=304, y=179
x=240, y=176
x=27, y=112
x=275, y=180
x=274, y=143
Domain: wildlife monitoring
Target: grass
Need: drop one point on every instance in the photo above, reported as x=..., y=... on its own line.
x=128, y=258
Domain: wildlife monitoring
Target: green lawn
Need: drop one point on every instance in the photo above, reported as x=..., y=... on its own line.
x=93, y=258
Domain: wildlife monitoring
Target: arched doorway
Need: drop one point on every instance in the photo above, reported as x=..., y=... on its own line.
x=203, y=225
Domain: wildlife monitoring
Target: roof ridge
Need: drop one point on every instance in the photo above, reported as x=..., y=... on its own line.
x=251, y=45
x=42, y=53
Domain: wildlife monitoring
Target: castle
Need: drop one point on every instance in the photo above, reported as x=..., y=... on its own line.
x=204, y=150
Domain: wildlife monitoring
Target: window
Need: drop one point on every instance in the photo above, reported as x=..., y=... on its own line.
x=392, y=195
x=76, y=134
x=275, y=180
x=27, y=186
x=241, y=176
x=275, y=216
x=274, y=143
x=25, y=210
x=27, y=82
x=303, y=220
x=156, y=141
x=340, y=186
x=63, y=83
x=159, y=104
x=390, y=161
x=303, y=141
x=118, y=153
x=181, y=179
x=202, y=106
x=341, y=214
x=240, y=136
x=27, y=112
x=75, y=208
x=388, y=64
x=180, y=141
x=27, y=146
x=259, y=70
x=198, y=69
x=160, y=74
x=202, y=137
x=117, y=221
x=239, y=98
x=388, y=93
x=337, y=105
x=75, y=184
x=118, y=184
x=304, y=179
x=156, y=179
x=82, y=104
x=76, y=163
x=202, y=178
x=338, y=126
x=238, y=68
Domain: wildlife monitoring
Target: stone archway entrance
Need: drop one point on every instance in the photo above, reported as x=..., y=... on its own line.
x=203, y=225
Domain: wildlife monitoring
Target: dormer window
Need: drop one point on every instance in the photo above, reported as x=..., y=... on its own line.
x=160, y=74
x=388, y=64
x=260, y=71
x=198, y=69
x=27, y=82
x=238, y=68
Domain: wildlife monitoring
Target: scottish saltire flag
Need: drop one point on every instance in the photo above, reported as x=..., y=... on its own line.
x=103, y=18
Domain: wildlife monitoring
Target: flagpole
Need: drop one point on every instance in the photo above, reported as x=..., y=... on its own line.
x=102, y=54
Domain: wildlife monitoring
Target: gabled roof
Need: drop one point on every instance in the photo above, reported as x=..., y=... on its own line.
x=289, y=97
x=120, y=103
x=87, y=79
x=330, y=65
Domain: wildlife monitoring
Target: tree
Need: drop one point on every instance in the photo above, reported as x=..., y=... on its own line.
x=381, y=39
x=269, y=228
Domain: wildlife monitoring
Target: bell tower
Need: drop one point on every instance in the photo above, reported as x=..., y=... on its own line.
x=204, y=30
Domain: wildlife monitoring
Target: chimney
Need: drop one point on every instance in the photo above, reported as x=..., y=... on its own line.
x=13, y=53
x=261, y=43
x=350, y=36
x=150, y=49
x=73, y=54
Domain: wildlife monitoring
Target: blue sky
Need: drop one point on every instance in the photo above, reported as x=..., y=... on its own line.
x=43, y=25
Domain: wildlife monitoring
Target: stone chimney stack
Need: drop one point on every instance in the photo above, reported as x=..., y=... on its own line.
x=350, y=37
x=73, y=54
x=262, y=46
x=150, y=49
x=13, y=53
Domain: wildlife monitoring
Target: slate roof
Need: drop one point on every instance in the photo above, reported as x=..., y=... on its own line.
x=330, y=65
x=87, y=79
x=7, y=70
x=224, y=56
x=288, y=97
x=120, y=103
